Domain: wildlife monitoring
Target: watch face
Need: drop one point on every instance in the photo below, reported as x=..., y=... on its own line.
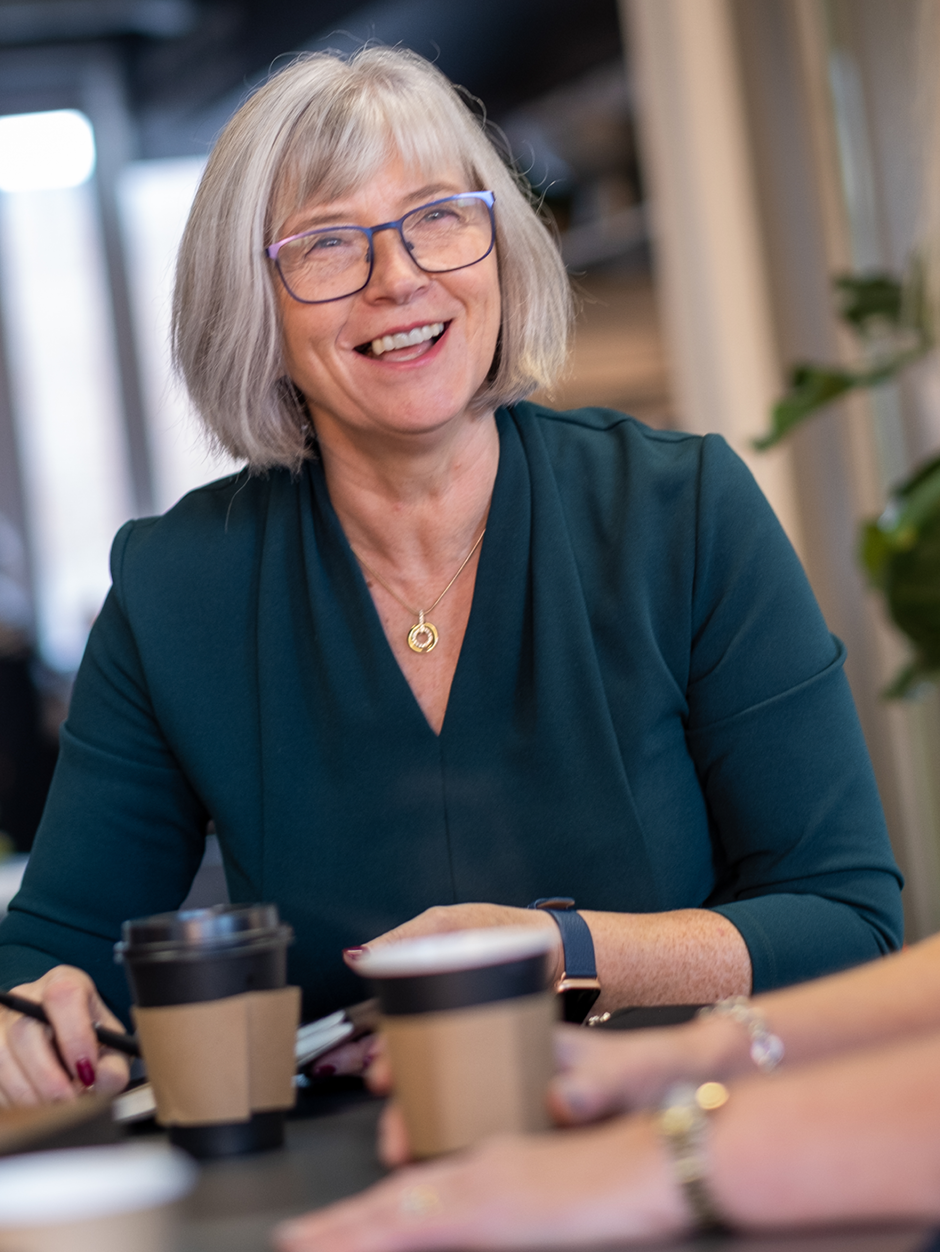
x=577, y=1002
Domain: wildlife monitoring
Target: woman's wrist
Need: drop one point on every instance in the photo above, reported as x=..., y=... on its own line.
x=765, y=1048
x=683, y=1126
x=717, y=1047
x=655, y=1189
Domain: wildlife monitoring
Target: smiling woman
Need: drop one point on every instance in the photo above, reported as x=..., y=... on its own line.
x=437, y=653
x=420, y=375
x=335, y=131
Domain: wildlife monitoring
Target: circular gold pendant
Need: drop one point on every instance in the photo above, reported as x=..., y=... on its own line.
x=422, y=637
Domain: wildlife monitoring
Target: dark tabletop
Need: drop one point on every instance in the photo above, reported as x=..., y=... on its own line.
x=330, y=1153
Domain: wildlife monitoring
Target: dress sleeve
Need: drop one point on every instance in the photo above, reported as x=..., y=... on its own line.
x=123, y=831
x=808, y=876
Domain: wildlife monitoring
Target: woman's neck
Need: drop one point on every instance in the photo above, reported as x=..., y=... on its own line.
x=412, y=509
x=414, y=502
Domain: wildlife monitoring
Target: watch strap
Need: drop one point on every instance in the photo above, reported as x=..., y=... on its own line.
x=578, y=986
x=575, y=935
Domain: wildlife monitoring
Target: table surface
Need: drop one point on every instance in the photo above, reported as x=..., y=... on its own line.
x=330, y=1153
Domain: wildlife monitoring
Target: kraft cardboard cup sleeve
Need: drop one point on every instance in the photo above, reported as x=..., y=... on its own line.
x=107, y=1199
x=467, y=1018
x=216, y=1022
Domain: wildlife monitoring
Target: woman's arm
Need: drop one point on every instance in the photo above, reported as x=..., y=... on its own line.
x=123, y=830
x=849, y=1138
x=121, y=836
x=688, y=956
x=806, y=872
x=856, y=1138
x=883, y=1000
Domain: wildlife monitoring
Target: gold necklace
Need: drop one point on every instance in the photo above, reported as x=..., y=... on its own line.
x=423, y=635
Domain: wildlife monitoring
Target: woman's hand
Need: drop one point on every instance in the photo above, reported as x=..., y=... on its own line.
x=603, y=1072
x=42, y=1064
x=606, y=1184
x=444, y=918
x=685, y=956
x=346, y=1058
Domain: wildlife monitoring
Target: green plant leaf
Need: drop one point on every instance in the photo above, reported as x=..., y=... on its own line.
x=900, y=550
x=891, y=315
x=875, y=551
x=922, y=482
x=811, y=388
x=868, y=301
x=901, y=554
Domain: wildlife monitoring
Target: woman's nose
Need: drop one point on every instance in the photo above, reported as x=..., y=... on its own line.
x=394, y=274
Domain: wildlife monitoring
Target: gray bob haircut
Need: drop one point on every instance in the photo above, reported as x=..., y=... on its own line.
x=320, y=129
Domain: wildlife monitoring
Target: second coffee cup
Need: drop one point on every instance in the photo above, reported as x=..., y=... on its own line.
x=467, y=1018
x=216, y=1023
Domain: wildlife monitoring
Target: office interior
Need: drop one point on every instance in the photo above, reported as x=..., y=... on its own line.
x=710, y=165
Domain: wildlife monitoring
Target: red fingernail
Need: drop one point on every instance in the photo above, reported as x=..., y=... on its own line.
x=355, y=953
x=85, y=1071
x=324, y=1071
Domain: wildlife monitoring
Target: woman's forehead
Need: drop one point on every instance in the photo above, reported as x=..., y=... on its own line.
x=316, y=194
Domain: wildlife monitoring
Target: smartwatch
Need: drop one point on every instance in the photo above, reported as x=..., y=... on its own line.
x=578, y=986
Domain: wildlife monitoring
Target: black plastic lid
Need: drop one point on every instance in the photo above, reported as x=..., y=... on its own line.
x=462, y=988
x=196, y=930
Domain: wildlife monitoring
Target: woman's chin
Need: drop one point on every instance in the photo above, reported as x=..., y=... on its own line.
x=405, y=417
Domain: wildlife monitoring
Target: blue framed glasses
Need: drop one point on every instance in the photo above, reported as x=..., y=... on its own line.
x=333, y=262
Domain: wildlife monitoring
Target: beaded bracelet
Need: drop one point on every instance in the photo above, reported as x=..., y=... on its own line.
x=682, y=1122
x=766, y=1047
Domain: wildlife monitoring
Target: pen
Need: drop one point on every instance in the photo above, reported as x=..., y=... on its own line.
x=110, y=1038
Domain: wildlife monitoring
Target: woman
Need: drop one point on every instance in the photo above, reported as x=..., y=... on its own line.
x=648, y=714
x=847, y=1130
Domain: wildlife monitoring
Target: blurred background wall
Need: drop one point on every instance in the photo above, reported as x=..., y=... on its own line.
x=710, y=164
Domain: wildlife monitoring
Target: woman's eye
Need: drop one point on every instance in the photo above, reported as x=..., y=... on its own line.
x=441, y=213
x=323, y=243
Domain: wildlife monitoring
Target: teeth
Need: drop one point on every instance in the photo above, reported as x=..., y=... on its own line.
x=388, y=343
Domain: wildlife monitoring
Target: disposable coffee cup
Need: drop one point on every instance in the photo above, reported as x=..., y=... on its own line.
x=108, y=1199
x=467, y=1018
x=216, y=1022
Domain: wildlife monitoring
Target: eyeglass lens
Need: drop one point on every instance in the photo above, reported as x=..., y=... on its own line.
x=329, y=264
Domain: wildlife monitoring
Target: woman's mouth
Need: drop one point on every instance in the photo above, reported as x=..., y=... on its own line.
x=399, y=343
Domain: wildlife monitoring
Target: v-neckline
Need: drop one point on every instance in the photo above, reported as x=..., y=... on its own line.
x=485, y=592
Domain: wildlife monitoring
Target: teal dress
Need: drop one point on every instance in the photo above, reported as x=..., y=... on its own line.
x=648, y=713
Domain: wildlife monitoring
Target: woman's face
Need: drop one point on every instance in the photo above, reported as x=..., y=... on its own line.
x=412, y=390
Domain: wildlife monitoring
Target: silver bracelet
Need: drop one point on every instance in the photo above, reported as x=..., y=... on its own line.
x=683, y=1123
x=766, y=1047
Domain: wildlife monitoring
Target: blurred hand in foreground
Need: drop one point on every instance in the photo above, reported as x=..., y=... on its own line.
x=511, y=1191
